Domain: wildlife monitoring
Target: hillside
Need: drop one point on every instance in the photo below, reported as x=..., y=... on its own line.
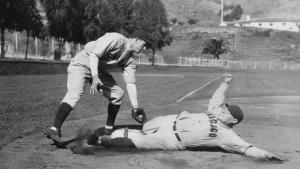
x=250, y=44
x=205, y=11
x=270, y=8
x=244, y=44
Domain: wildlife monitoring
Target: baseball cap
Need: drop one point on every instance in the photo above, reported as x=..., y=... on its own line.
x=236, y=112
x=140, y=34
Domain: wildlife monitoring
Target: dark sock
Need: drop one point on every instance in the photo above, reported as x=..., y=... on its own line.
x=112, y=114
x=61, y=115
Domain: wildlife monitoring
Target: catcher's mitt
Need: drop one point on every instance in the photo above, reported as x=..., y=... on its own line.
x=139, y=115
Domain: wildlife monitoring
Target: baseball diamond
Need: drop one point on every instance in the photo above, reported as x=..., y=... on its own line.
x=149, y=84
x=263, y=104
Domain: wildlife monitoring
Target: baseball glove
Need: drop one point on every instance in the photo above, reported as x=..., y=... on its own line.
x=139, y=115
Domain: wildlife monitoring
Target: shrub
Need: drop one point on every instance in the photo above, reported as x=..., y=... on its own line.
x=192, y=21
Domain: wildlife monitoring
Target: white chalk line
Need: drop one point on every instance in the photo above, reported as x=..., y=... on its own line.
x=152, y=75
x=196, y=90
x=160, y=75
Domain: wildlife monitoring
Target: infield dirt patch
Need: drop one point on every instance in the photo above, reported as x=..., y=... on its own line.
x=271, y=123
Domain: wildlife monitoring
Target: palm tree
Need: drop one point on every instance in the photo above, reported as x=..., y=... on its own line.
x=215, y=47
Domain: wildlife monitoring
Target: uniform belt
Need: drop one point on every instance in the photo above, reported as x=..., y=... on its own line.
x=175, y=130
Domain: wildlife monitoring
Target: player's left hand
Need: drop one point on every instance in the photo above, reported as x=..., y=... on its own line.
x=139, y=115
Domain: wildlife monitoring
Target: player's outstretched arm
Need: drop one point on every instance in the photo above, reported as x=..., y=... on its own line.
x=260, y=154
x=218, y=97
x=132, y=93
x=220, y=92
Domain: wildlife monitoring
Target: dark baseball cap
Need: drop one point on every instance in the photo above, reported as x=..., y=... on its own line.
x=236, y=112
x=140, y=34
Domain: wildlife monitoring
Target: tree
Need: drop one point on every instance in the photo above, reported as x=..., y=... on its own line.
x=150, y=16
x=8, y=11
x=215, y=47
x=65, y=18
x=192, y=21
x=122, y=11
x=99, y=19
x=86, y=20
x=236, y=13
x=29, y=20
x=127, y=16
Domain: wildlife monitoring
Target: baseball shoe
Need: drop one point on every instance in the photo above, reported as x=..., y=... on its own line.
x=94, y=138
x=54, y=135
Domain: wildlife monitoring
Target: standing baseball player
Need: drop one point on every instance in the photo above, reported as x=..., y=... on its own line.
x=190, y=131
x=110, y=50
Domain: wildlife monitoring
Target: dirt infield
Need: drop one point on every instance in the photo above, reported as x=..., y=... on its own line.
x=271, y=123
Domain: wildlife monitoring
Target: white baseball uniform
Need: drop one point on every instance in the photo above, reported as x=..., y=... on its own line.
x=189, y=130
x=111, y=51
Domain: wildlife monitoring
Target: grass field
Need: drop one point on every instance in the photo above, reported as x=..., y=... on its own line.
x=28, y=103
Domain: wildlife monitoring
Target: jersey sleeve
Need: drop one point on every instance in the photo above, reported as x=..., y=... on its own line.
x=129, y=71
x=101, y=46
x=233, y=143
x=218, y=98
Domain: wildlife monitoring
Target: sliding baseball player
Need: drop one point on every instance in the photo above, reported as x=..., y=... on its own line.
x=189, y=131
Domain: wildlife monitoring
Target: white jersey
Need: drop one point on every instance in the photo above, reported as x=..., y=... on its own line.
x=191, y=130
x=111, y=51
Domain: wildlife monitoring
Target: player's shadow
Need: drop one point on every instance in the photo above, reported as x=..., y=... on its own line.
x=211, y=149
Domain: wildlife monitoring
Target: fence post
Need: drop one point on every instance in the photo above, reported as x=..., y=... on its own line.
x=179, y=60
x=52, y=45
x=255, y=64
x=214, y=62
x=16, y=36
x=285, y=65
x=227, y=63
x=222, y=63
x=36, y=46
x=241, y=64
x=270, y=64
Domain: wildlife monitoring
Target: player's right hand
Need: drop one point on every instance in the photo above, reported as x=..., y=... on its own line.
x=96, y=82
x=272, y=157
x=227, y=78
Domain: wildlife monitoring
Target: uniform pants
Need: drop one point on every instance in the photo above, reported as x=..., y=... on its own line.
x=79, y=76
x=157, y=134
